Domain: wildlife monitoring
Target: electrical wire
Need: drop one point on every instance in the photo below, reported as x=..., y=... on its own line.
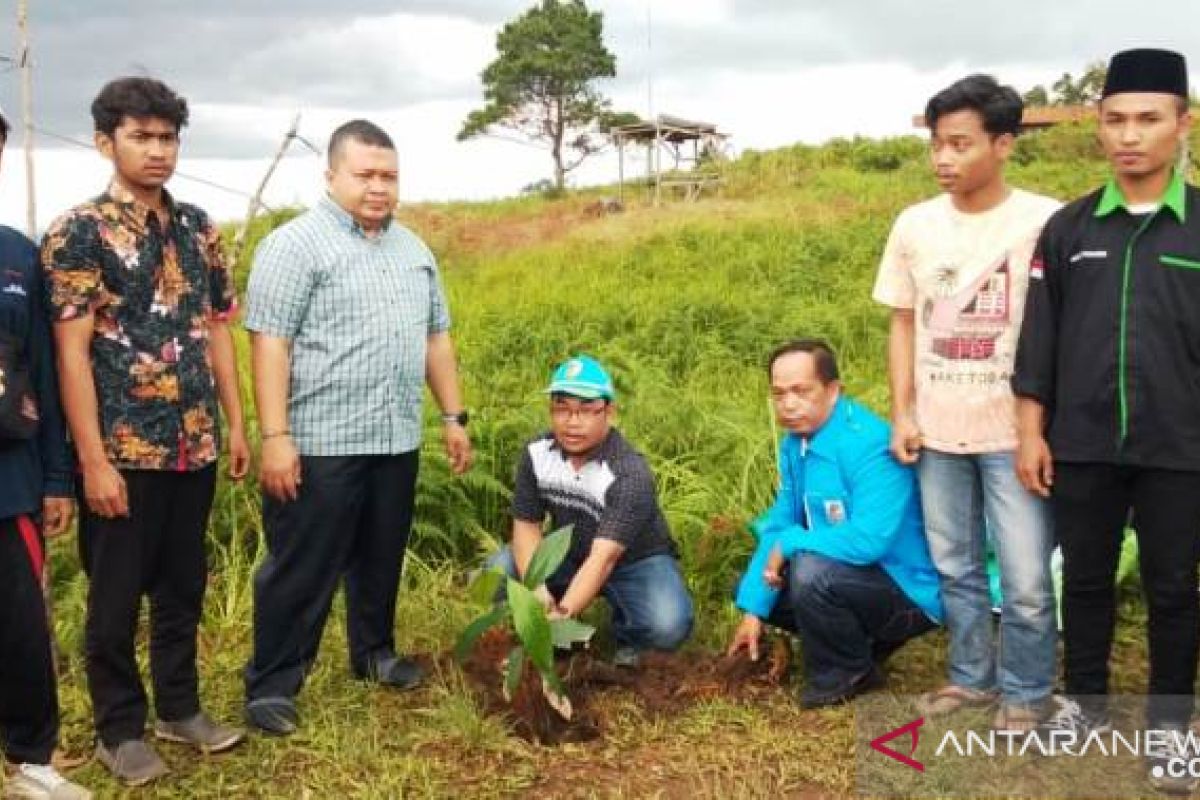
x=186, y=176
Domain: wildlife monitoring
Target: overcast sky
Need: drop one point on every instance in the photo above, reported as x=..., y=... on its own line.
x=769, y=72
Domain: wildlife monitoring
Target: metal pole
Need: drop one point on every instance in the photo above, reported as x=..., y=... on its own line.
x=657, y=162
x=26, y=63
x=649, y=62
x=621, y=169
x=239, y=240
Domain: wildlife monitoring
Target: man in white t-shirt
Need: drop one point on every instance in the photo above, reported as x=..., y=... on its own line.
x=954, y=273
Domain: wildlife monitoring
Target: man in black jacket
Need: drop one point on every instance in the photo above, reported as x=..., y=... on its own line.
x=35, y=491
x=1108, y=380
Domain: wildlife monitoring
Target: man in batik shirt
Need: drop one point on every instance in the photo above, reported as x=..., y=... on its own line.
x=141, y=297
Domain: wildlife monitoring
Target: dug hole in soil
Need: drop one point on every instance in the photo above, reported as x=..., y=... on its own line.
x=664, y=683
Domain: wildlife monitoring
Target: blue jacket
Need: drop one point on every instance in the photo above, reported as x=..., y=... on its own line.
x=862, y=507
x=40, y=466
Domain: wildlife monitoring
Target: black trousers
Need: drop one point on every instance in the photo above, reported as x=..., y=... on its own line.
x=1092, y=503
x=157, y=551
x=28, y=694
x=848, y=618
x=352, y=517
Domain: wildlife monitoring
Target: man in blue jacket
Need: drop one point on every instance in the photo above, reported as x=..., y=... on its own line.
x=847, y=518
x=35, y=492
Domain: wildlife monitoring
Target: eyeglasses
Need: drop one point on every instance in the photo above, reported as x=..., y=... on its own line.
x=585, y=413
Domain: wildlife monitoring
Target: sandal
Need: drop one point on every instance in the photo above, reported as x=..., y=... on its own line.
x=1016, y=718
x=951, y=698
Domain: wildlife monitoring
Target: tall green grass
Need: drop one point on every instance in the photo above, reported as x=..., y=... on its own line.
x=682, y=303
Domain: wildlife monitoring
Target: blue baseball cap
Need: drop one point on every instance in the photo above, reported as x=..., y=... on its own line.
x=582, y=377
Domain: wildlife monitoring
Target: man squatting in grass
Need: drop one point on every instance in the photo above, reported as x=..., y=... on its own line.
x=35, y=471
x=349, y=322
x=847, y=518
x=584, y=473
x=954, y=272
x=141, y=298
x=1108, y=380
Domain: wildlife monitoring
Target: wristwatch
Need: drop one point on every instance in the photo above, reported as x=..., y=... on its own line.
x=461, y=418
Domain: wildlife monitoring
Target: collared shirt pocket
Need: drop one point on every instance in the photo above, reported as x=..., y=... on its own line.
x=410, y=287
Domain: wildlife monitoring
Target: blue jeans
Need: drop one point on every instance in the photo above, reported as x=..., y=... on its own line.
x=848, y=618
x=966, y=497
x=651, y=607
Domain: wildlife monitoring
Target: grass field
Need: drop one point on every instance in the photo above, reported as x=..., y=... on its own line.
x=682, y=302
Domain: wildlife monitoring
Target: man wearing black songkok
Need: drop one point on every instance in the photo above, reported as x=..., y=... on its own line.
x=1108, y=384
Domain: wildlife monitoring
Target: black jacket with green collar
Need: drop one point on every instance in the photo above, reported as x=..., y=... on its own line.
x=1110, y=343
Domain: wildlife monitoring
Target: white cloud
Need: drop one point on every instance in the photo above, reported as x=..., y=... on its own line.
x=370, y=58
x=769, y=72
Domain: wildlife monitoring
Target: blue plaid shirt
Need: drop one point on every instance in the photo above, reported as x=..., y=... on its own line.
x=357, y=311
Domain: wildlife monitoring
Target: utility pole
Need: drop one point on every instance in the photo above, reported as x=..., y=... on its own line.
x=239, y=240
x=26, y=64
x=655, y=154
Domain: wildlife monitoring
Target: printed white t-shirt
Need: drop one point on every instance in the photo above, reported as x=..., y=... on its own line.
x=964, y=276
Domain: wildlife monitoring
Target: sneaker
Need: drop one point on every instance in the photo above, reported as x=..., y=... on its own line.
x=274, y=716
x=200, y=732
x=1073, y=718
x=1164, y=758
x=627, y=657
x=133, y=762
x=41, y=782
x=394, y=672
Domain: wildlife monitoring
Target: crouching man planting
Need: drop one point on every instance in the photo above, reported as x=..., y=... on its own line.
x=858, y=582
x=585, y=474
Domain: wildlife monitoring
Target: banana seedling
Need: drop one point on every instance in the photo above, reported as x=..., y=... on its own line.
x=514, y=605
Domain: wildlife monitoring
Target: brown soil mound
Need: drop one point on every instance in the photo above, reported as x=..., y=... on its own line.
x=530, y=714
x=664, y=683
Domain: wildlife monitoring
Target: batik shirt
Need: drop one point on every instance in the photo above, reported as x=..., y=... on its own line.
x=152, y=288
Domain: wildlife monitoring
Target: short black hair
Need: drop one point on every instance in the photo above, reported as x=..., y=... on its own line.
x=1000, y=107
x=139, y=98
x=819, y=349
x=4, y=129
x=362, y=131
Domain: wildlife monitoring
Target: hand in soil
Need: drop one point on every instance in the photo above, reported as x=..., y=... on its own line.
x=746, y=637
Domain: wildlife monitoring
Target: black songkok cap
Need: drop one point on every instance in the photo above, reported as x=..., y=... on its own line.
x=1146, y=70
